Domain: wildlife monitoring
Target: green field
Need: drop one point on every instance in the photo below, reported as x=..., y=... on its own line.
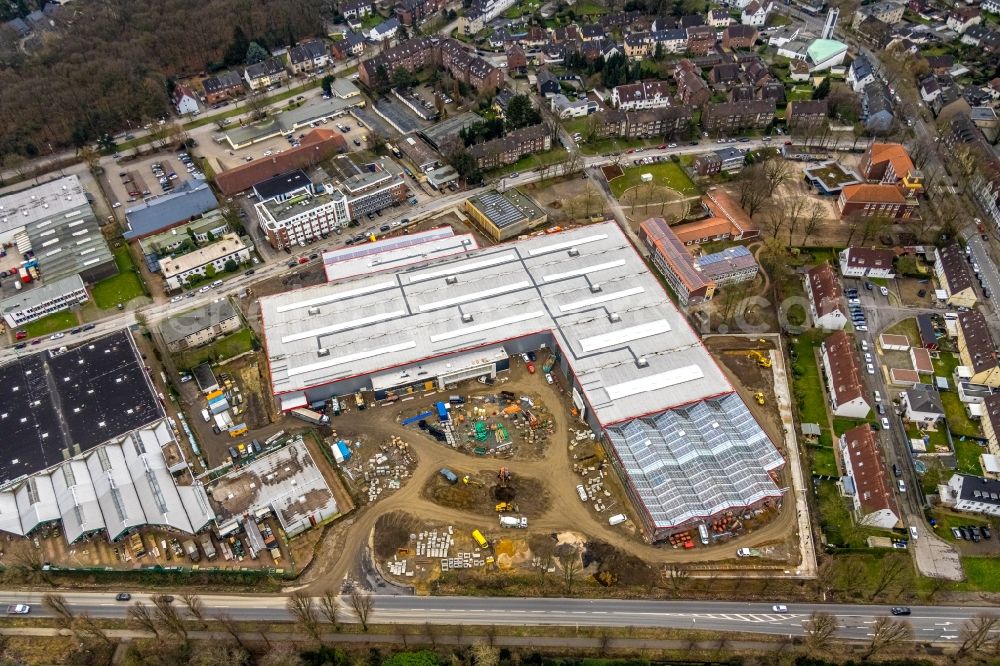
x=664, y=174
x=57, y=321
x=907, y=327
x=121, y=288
x=227, y=347
x=531, y=162
x=981, y=573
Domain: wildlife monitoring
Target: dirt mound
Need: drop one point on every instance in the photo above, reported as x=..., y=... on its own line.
x=615, y=566
x=483, y=493
x=392, y=532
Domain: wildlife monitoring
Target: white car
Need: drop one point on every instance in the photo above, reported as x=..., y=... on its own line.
x=885, y=423
x=864, y=345
x=884, y=291
x=868, y=358
x=861, y=328
x=854, y=301
x=56, y=336
x=878, y=397
x=548, y=377
x=672, y=145
x=871, y=369
x=176, y=298
x=779, y=608
x=18, y=609
x=203, y=289
x=117, y=204
x=913, y=532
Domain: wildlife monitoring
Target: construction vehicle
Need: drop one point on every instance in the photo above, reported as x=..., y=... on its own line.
x=513, y=521
x=762, y=361
x=359, y=401
x=505, y=506
x=759, y=397
x=748, y=552
x=504, y=477
x=480, y=539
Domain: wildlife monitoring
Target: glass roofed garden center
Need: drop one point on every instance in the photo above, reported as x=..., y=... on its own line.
x=684, y=443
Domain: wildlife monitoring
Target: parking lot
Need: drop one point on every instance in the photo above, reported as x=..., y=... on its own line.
x=144, y=180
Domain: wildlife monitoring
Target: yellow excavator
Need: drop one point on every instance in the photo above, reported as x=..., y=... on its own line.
x=759, y=397
x=762, y=361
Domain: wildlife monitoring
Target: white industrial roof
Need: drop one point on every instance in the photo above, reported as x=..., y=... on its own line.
x=393, y=254
x=632, y=350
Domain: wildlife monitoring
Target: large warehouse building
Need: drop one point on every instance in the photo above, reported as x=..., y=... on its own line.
x=683, y=441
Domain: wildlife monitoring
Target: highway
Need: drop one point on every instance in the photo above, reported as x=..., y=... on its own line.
x=930, y=623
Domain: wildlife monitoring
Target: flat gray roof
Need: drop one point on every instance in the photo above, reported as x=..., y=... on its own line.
x=448, y=128
x=288, y=121
x=191, y=199
x=179, y=327
x=505, y=209
x=29, y=298
x=392, y=254
x=632, y=351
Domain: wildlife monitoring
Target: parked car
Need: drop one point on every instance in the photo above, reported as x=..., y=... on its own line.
x=123, y=596
x=900, y=610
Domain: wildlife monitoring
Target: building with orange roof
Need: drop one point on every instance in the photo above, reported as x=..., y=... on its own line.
x=721, y=205
x=672, y=259
x=703, y=231
x=318, y=145
x=865, y=480
x=890, y=163
x=876, y=200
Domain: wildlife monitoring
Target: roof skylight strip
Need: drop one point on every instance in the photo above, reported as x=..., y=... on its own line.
x=655, y=382
x=479, y=328
x=555, y=247
x=585, y=270
x=475, y=296
x=455, y=269
x=339, y=296
x=343, y=326
x=625, y=335
x=350, y=358
x=604, y=298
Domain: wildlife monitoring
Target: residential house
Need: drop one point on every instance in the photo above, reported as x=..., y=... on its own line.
x=670, y=41
x=922, y=405
x=890, y=13
x=548, y=84
x=639, y=45
x=263, y=74
x=844, y=377
x=728, y=160
x=953, y=276
x=352, y=45
x=739, y=37
x=806, y=114
x=866, y=480
x=860, y=74
x=357, y=9
x=826, y=298
x=564, y=107
x=876, y=200
x=385, y=30
x=875, y=32
x=718, y=18
x=482, y=12
x=962, y=17
x=971, y=494
x=867, y=262
x=728, y=117
x=700, y=39
x=511, y=147
x=991, y=422
x=308, y=56
x=691, y=88
x=200, y=326
x=876, y=108
x=222, y=87
x=205, y=261
x=517, y=61
x=977, y=349
x=889, y=163
x=641, y=95
x=185, y=101
x=724, y=75
x=412, y=12
x=755, y=13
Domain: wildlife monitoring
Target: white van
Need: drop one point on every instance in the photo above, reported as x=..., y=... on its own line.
x=205, y=415
x=617, y=519
x=703, y=533
x=217, y=284
x=581, y=491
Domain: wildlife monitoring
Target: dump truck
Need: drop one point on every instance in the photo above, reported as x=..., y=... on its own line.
x=505, y=506
x=359, y=401
x=748, y=552
x=480, y=539
x=513, y=521
x=762, y=361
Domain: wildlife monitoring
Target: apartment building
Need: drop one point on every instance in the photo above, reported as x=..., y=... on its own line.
x=806, y=114
x=263, y=74
x=867, y=262
x=977, y=349
x=888, y=12
x=177, y=271
x=867, y=482
x=641, y=95
x=27, y=305
x=223, y=87
x=482, y=12
x=826, y=298
x=728, y=117
x=668, y=122
x=876, y=200
x=844, y=377
x=308, y=57
x=200, y=326
x=953, y=276
x=511, y=147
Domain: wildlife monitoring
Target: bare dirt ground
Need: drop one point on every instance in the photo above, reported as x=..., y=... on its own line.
x=483, y=492
x=568, y=200
x=556, y=469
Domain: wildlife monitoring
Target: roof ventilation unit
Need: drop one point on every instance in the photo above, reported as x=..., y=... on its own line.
x=614, y=317
x=323, y=352
x=595, y=288
x=314, y=311
x=451, y=279
x=466, y=317
x=641, y=362
x=573, y=252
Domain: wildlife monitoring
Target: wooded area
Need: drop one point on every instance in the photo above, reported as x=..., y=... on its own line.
x=108, y=62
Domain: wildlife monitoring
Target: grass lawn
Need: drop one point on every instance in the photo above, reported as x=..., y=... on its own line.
x=958, y=419
x=800, y=94
x=57, y=321
x=121, y=288
x=982, y=573
x=823, y=461
x=608, y=146
x=842, y=425
x=664, y=173
x=586, y=7
x=946, y=520
x=370, y=21
x=907, y=327
x=227, y=347
x=967, y=456
x=936, y=438
x=807, y=385
x=531, y=162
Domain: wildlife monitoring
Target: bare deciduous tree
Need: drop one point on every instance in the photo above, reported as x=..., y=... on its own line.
x=363, y=603
x=484, y=654
x=820, y=629
x=887, y=634
x=776, y=173
x=889, y=573
x=752, y=188
x=142, y=617
x=569, y=558
x=194, y=606
x=168, y=615
x=975, y=634
x=812, y=221
x=230, y=627
x=300, y=606
x=677, y=575
x=56, y=604
x=85, y=625
x=331, y=608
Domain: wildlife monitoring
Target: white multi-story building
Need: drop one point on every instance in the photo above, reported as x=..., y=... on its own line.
x=974, y=494
x=31, y=304
x=482, y=13
x=641, y=95
x=176, y=271
x=365, y=192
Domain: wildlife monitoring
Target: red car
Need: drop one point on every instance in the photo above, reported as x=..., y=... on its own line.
x=531, y=367
x=303, y=260
x=631, y=150
x=20, y=335
x=662, y=146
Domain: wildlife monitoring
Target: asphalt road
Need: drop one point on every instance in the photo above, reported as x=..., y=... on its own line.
x=930, y=623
